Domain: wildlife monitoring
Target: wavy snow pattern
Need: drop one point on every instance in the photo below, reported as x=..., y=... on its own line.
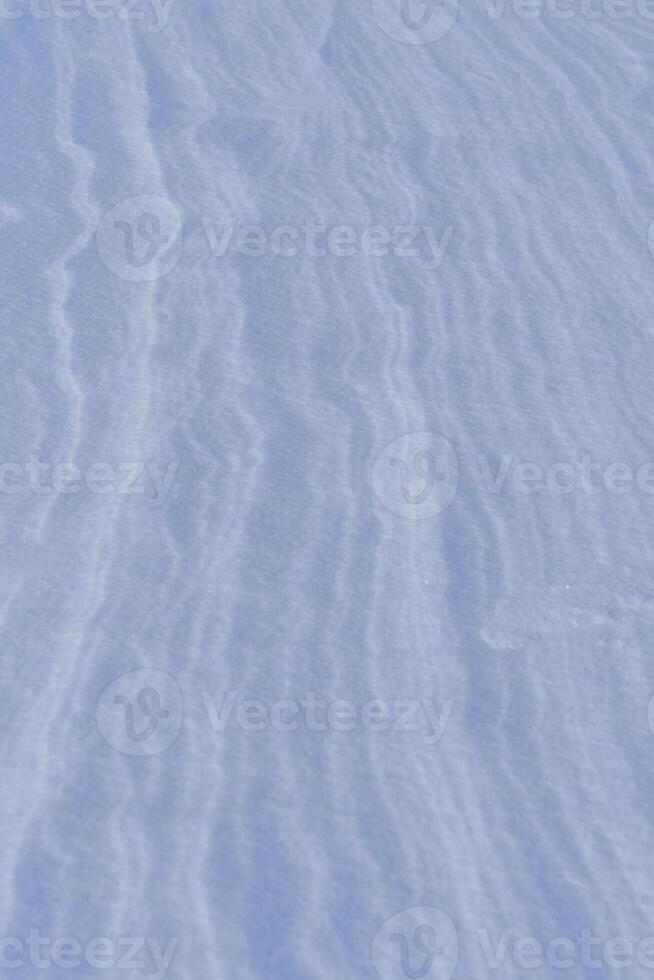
x=271, y=569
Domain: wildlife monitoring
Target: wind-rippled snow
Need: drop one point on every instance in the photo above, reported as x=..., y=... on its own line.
x=285, y=558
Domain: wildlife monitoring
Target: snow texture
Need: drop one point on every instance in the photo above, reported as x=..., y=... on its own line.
x=292, y=293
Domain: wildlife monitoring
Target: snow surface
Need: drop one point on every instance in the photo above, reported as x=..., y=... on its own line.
x=292, y=395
